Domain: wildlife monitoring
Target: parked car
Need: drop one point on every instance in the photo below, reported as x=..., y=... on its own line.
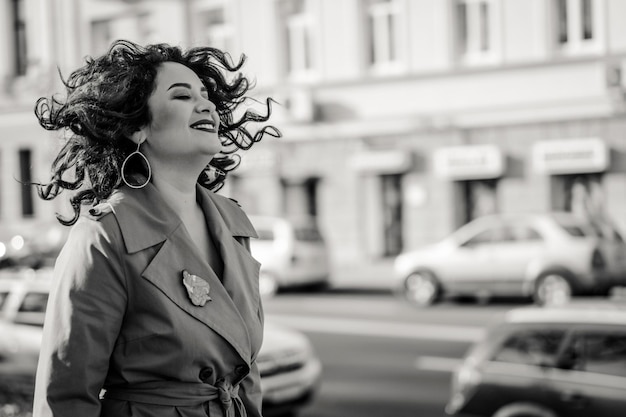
x=291, y=252
x=290, y=369
x=560, y=361
x=549, y=257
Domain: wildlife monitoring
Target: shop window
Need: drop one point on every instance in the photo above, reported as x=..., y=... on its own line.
x=301, y=197
x=298, y=35
x=217, y=31
x=384, y=28
x=478, y=198
x=475, y=27
x=25, y=161
x=576, y=24
x=101, y=36
x=19, y=37
x=392, y=214
x=580, y=194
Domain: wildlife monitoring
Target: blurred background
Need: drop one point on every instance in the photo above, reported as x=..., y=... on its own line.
x=402, y=121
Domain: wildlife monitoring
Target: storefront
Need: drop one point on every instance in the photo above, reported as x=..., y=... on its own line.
x=475, y=171
x=576, y=170
x=381, y=176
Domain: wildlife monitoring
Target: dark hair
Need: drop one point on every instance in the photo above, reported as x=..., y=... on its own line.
x=107, y=101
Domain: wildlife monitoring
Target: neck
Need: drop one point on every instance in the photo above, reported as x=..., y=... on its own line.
x=177, y=187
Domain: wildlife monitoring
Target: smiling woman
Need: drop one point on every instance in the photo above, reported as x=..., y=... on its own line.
x=155, y=281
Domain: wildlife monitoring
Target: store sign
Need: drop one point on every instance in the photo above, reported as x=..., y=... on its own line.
x=468, y=162
x=570, y=156
x=382, y=162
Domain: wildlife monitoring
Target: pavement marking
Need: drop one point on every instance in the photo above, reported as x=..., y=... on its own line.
x=437, y=363
x=379, y=328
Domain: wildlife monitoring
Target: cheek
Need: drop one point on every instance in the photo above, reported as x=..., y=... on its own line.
x=164, y=118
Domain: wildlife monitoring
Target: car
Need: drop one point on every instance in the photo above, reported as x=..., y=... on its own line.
x=292, y=253
x=547, y=256
x=289, y=367
x=557, y=361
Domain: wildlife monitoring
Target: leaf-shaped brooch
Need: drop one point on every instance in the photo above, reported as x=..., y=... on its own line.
x=197, y=289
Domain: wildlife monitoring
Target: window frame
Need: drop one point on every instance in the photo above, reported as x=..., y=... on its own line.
x=574, y=28
x=469, y=52
x=385, y=36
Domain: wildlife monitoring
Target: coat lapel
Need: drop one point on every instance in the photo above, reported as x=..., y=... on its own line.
x=241, y=270
x=144, y=228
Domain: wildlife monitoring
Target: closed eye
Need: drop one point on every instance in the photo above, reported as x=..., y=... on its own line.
x=182, y=97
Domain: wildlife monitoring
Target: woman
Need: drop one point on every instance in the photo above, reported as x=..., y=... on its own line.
x=155, y=307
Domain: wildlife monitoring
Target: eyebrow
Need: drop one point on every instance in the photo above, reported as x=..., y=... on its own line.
x=185, y=85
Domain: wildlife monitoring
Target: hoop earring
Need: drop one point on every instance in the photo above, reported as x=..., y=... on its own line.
x=147, y=164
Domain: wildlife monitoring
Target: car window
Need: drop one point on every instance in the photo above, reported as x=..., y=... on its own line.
x=34, y=302
x=531, y=347
x=524, y=233
x=480, y=238
x=307, y=234
x=265, y=234
x=3, y=297
x=597, y=352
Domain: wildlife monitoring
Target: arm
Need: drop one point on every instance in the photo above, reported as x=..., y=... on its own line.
x=83, y=319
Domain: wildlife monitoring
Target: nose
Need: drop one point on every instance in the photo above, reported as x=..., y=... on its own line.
x=205, y=105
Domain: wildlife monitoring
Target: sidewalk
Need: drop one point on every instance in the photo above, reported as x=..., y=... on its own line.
x=372, y=275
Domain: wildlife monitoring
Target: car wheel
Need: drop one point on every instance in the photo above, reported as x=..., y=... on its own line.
x=422, y=288
x=552, y=289
x=268, y=285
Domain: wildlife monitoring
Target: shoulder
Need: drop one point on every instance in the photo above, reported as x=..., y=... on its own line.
x=234, y=216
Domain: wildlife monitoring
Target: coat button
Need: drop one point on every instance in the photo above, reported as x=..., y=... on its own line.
x=241, y=370
x=205, y=374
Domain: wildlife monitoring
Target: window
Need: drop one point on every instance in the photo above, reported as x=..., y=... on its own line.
x=476, y=35
x=603, y=353
x=522, y=233
x=576, y=25
x=218, y=32
x=383, y=22
x=19, y=37
x=32, y=310
x=298, y=37
x=3, y=296
x=101, y=36
x=392, y=214
x=531, y=347
x=26, y=179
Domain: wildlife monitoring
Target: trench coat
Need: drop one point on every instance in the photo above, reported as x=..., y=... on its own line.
x=122, y=336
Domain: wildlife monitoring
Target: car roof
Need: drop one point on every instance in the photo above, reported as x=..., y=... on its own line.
x=588, y=312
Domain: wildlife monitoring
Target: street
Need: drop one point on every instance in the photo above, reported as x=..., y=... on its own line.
x=381, y=356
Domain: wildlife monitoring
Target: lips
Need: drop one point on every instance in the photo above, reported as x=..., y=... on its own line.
x=205, y=125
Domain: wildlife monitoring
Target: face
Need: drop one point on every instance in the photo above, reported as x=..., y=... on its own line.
x=184, y=122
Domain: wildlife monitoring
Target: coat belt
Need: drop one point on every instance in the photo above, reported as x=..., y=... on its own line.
x=222, y=398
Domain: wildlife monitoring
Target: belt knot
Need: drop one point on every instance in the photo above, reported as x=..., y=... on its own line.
x=226, y=393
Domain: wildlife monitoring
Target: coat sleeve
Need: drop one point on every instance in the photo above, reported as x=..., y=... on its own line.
x=83, y=319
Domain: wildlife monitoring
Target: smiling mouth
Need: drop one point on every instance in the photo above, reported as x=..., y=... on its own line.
x=205, y=126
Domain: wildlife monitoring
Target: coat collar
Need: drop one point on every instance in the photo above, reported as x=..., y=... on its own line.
x=145, y=219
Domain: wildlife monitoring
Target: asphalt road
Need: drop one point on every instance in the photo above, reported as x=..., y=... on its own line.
x=382, y=357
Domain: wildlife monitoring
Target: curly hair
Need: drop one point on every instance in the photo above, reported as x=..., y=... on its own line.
x=107, y=100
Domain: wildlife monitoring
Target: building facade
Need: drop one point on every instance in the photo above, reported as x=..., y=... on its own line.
x=402, y=119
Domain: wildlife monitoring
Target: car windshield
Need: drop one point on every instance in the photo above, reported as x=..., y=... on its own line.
x=308, y=234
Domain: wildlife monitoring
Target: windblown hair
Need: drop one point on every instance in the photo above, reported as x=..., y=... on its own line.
x=107, y=101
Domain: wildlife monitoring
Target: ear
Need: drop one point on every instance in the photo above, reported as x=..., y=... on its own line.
x=139, y=136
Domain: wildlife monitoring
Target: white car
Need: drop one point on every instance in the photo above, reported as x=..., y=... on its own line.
x=290, y=370
x=548, y=256
x=292, y=253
